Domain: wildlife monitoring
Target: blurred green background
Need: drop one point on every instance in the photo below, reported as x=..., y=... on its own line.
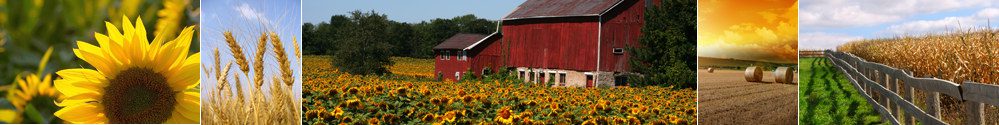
x=29, y=27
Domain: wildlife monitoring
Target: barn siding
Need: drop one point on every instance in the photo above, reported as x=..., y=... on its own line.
x=622, y=27
x=554, y=43
x=450, y=66
x=486, y=54
x=568, y=43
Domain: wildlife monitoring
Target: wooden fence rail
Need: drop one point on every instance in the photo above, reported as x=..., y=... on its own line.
x=881, y=84
x=811, y=53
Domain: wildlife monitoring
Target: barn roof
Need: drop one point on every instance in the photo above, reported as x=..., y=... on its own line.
x=460, y=41
x=561, y=8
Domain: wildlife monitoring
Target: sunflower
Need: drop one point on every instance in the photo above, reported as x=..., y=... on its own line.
x=135, y=81
x=504, y=116
x=33, y=89
x=170, y=17
x=337, y=112
x=448, y=117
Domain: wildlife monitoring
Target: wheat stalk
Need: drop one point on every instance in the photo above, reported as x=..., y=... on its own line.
x=282, y=60
x=258, y=62
x=298, y=52
x=277, y=106
x=237, y=52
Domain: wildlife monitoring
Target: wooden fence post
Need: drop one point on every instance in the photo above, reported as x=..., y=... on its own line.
x=893, y=87
x=909, y=94
x=975, y=113
x=933, y=103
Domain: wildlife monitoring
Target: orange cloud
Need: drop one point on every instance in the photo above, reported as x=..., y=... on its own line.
x=763, y=30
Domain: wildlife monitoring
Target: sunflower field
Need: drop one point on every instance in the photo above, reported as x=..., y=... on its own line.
x=331, y=97
x=413, y=67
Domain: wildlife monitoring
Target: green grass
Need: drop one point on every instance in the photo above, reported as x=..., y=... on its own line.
x=827, y=97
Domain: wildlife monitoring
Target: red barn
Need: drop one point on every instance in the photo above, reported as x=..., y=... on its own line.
x=462, y=53
x=569, y=42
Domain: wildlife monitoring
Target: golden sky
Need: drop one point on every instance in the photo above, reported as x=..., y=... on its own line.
x=761, y=30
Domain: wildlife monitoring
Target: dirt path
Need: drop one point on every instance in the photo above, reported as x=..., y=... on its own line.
x=726, y=98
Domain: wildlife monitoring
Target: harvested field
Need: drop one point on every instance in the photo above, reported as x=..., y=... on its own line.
x=726, y=98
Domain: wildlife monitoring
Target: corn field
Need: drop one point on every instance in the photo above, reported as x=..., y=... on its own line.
x=958, y=57
x=963, y=56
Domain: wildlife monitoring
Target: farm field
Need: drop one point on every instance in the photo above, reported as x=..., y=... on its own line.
x=331, y=97
x=827, y=97
x=726, y=98
x=413, y=67
x=957, y=57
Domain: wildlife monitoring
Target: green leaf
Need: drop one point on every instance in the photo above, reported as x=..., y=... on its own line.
x=32, y=114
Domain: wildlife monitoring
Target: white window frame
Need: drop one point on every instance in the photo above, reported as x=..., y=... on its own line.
x=464, y=55
x=562, y=77
x=447, y=55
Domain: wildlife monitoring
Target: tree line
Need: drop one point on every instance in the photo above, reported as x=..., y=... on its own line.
x=399, y=38
x=362, y=42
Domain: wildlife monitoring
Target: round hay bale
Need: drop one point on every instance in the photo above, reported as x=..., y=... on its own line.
x=783, y=75
x=711, y=70
x=754, y=74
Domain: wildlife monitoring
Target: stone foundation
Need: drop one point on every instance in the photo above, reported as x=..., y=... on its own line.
x=573, y=78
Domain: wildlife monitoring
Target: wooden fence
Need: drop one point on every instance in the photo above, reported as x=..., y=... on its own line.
x=810, y=53
x=881, y=84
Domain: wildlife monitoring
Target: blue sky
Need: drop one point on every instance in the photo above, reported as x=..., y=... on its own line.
x=827, y=24
x=247, y=19
x=412, y=11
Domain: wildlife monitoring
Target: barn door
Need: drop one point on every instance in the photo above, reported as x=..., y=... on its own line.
x=589, y=81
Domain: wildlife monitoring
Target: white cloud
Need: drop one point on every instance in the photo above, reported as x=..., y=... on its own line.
x=250, y=13
x=851, y=13
x=947, y=24
x=822, y=40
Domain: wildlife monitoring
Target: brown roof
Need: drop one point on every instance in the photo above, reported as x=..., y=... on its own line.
x=561, y=8
x=460, y=41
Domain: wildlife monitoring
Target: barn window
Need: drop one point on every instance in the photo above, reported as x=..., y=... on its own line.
x=447, y=55
x=521, y=74
x=561, y=78
x=462, y=56
x=551, y=77
x=542, y=77
x=620, y=81
x=530, y=77
x=457, y=75
x=618, y=51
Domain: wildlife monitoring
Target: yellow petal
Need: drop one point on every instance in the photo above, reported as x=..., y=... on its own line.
x=187, y=76
x=140, y=33
x=128, y=28
x=83, y=113
x=111, y=46
x=83, y=78
x=100, y=63
x=189, y=103
x=165, y=55
x=8, y=116
x=80, y=99
x=67, y=88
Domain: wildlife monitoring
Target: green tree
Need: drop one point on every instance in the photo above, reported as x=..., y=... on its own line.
x=363, y=49
x=666, y=55
x=400, y=35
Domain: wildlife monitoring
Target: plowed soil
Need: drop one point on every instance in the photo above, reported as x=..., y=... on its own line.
x=726, y=98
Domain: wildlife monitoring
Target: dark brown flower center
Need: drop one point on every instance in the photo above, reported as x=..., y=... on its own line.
x=138, y=95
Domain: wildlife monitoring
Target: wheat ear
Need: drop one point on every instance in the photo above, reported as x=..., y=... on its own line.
x=237, y=52
x=258, y=62
x=282, y=59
